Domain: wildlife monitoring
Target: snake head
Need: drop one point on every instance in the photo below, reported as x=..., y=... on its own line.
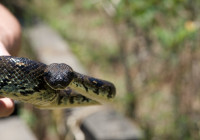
x=58, y=76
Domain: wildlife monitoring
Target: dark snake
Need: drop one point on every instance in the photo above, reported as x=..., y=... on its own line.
x=50, y=86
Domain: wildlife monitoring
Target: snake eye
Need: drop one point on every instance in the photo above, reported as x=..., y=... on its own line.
x=58, y=76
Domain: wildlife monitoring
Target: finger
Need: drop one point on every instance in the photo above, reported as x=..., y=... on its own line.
x=3, y=50
x=6, y=107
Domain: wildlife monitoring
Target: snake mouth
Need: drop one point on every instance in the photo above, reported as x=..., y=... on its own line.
x=58, y=87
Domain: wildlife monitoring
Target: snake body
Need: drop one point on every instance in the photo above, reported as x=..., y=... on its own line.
x=50, y=86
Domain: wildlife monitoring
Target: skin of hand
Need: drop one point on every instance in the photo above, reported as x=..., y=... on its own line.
x=10, y=36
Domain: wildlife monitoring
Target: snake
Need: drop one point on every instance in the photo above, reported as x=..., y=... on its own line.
x=51, y=86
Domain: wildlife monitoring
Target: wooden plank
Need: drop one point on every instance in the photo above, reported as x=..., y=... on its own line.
x=50, y=47
x=108, y=124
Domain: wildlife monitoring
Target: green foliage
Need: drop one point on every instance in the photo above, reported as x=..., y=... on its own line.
x=88, y=5
x=67, y=8
x=173, y=39
x=166, y=20
x=173, y=25
x=28, y=116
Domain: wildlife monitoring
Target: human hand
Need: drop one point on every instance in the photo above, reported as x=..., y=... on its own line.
x=6, y=107
x=10, y=34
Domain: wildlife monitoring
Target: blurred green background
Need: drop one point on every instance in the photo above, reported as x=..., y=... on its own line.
x=149, y=49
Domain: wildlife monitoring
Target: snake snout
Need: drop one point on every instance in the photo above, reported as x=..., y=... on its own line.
x=58, y=76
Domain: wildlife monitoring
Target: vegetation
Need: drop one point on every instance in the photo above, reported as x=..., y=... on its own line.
x=149, y=49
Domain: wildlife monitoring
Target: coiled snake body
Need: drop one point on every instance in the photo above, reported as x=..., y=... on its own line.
x=50, y=86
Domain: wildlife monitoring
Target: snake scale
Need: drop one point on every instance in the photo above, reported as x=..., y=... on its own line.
x=50, y=86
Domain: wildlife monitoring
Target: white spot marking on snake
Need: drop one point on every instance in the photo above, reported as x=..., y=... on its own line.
x=15, y=60
x=20, y=64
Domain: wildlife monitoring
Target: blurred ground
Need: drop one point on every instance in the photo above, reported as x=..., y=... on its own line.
x=15, y=128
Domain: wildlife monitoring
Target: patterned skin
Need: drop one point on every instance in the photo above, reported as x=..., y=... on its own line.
x=50, y=86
